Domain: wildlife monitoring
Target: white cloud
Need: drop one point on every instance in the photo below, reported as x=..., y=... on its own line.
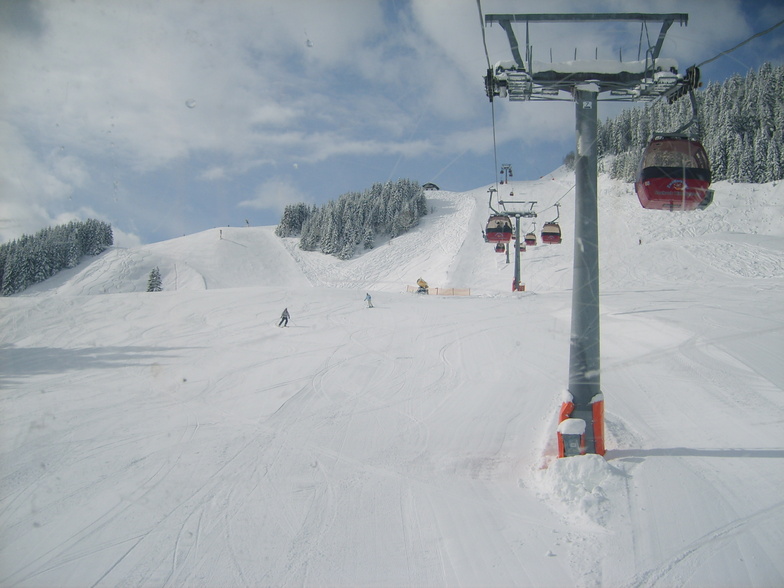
x=100, y=90
x=213, y=173
x=30, y=189
x=118, y=75
x=69, y=168
x=274, y=194
x=123, y=239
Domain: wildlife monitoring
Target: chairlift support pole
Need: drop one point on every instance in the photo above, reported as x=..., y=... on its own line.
x=584, y=358
x=506, y=172
x=517, y=282
x=522, y=84
x=530, y=213
x=517, y=277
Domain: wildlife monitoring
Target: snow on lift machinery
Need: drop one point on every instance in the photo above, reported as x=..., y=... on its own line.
x=674, y=171
x=551, y=231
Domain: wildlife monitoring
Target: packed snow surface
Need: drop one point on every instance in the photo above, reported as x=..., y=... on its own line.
x=181, y=438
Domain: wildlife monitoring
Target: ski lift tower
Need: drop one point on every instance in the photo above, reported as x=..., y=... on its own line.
x=517, y=281
x=506, y=172
x=522, y=79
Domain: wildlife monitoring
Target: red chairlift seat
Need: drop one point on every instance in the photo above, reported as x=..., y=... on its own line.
x=499, y=229
x=530, y=239
x=551, y=233
x=674, y=174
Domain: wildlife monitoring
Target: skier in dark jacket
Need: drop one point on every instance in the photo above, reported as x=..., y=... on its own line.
x=284, y=318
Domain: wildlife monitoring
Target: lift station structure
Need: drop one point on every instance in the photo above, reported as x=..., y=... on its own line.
x=581, y=420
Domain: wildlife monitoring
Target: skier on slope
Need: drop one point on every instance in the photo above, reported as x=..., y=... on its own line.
x=284, y=318
x=368, y=300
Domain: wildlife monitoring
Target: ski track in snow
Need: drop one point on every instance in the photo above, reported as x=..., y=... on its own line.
x=181, y=438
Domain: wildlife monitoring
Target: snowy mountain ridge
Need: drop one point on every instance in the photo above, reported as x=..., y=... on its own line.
x=734, y=236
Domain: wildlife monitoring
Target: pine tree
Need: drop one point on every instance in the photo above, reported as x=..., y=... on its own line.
x=367, y=241
x=154, y=283
x=775, y=166
x=294, y=217
x=13, y=279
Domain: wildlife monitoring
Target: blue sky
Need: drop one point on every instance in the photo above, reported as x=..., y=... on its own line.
x=168, y=118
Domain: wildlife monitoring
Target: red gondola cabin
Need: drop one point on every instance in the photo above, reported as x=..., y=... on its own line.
x=551, y=233
x=499, y=229
x=674, y=174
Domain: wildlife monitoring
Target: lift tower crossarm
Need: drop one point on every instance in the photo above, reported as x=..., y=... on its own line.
x=640, y=82
x=587, y=16
x=667, y=21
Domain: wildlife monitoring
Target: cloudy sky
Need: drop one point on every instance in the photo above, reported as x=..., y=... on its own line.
x=170, y=117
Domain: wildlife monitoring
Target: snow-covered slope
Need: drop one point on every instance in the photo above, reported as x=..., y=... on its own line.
x=182, y=438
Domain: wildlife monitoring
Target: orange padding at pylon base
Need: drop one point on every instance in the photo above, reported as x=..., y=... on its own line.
x=598, y=426
x=597, y=410
x=563, y=414
x=566, y=411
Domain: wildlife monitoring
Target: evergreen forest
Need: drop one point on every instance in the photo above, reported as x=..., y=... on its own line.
x=32, y=259
x=355, y=220
x=741, y=122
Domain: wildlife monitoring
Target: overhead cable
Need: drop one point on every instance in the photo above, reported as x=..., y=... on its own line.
x=742, y=43
x=492, y=104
